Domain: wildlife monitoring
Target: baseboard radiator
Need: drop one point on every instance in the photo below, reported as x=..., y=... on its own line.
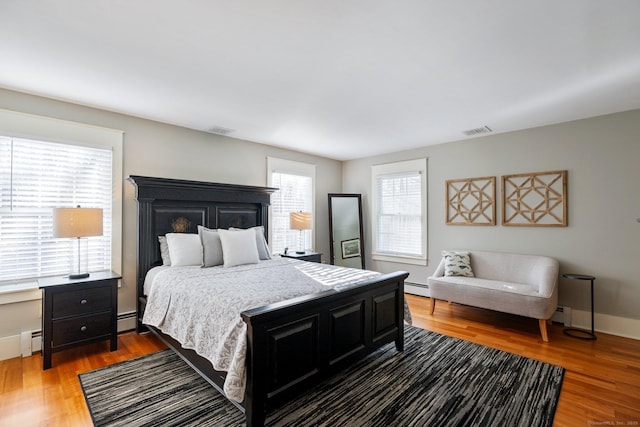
x=562, y=315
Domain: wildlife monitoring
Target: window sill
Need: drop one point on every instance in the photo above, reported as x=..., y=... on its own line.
x=399, y=259
x=19, y=292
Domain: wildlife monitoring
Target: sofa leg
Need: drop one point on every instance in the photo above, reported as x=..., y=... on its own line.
x=433, y=305
x=543, y=329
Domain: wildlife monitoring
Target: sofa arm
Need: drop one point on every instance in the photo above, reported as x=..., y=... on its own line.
x=546, y=275
x=440, y=269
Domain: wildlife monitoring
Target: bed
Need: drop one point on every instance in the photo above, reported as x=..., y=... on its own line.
x=290, y=344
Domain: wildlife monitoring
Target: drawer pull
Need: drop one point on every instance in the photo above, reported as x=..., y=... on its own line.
x=84, y=328
x=84, y=301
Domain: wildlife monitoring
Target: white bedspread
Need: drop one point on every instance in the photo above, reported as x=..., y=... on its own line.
x=200, y=307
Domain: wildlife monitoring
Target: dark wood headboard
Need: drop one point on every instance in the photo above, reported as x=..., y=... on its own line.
x=174, y=205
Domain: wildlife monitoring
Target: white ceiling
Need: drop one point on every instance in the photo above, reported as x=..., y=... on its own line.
x=338, y=78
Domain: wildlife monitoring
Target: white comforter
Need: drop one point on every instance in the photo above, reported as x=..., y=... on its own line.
x=200, y=307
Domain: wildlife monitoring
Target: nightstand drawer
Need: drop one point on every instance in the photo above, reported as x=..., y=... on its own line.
x=81, y=328
x=81, y=301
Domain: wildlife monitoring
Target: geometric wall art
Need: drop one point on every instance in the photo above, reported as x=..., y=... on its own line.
x=535, y=199
x=471, y=201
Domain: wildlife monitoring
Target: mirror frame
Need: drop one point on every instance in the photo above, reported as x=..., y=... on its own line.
x=331, y=241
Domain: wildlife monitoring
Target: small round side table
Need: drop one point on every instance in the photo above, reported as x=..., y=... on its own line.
x=580, y=333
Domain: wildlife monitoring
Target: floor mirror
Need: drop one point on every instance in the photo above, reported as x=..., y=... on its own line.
x=345, y=230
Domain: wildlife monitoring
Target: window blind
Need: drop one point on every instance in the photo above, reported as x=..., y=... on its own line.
x=295, y=194
x=399, y=214
x=35, y=177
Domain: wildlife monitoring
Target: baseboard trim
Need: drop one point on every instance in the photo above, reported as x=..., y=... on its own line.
x=9, y=347
x=416, y=289
x=605, y=323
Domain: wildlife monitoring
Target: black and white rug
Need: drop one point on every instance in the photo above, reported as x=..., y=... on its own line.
x=437, y=380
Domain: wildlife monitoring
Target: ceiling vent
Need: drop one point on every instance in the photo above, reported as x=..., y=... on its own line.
x=219, y=130
x=477, y=131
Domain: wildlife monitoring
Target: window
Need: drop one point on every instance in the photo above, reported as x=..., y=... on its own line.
x=296, y=188
x=399, y=212
x=47, y=163
x=36, y=176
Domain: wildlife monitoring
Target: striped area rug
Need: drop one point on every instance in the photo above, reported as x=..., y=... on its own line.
x=437, y=380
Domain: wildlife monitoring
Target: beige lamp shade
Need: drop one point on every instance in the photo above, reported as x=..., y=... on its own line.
x=77, y=222
x=300, y=220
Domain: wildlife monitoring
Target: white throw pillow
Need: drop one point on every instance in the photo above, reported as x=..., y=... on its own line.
x=261, y=241
x=184, y=249
x=238, y=247
x=211, y=246
x=164, y=251
x=457, y=263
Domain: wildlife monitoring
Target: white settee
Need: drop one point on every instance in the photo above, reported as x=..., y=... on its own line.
x=526, y=285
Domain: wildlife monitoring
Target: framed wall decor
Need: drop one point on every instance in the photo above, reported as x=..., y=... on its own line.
x=535, y=199
x=471, y=201
x=350, y=248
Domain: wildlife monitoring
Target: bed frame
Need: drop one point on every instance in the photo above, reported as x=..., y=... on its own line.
x=292, y=344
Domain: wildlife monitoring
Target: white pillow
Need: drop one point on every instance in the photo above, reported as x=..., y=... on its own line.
x=184, y=249
x=211, y=246
x=457, y=263
x=164, y=251
x=261, y=242
x=238, y=247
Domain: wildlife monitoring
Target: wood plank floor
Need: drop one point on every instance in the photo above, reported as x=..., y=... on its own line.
x=601, y=385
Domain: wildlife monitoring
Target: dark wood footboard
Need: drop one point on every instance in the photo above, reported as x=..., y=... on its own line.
x=300, y=342
x=296, y=343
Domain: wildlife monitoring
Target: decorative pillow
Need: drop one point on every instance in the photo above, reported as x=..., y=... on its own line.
x=211, y=246
x=261, y=241
x=238, y=247
x=184, y=249
x=164, y=251
x=457, y=263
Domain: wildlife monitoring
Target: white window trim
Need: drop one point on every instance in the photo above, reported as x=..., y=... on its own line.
x=391, y=168
x=293, y=167
x=21, y=125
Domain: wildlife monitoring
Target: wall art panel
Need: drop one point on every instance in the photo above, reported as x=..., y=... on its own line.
x=535, y=199
x=471, y=201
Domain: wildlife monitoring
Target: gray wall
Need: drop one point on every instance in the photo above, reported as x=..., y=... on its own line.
x=156, y=149
x=602, y=239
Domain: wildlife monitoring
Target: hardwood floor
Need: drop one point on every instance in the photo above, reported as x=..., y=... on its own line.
x=30, y=396
x=601, y=384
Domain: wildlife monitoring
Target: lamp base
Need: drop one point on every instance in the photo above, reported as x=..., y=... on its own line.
x=79, y=276
x=301, y=252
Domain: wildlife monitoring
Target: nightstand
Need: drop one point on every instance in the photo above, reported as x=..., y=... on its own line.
x=307, y=256
x=76, y=312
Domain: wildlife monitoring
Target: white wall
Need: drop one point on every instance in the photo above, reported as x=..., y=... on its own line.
x=156, y=149
x=602, y=239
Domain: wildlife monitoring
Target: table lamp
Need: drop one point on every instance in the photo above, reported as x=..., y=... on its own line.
x=300, y=221
x=77, y=223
